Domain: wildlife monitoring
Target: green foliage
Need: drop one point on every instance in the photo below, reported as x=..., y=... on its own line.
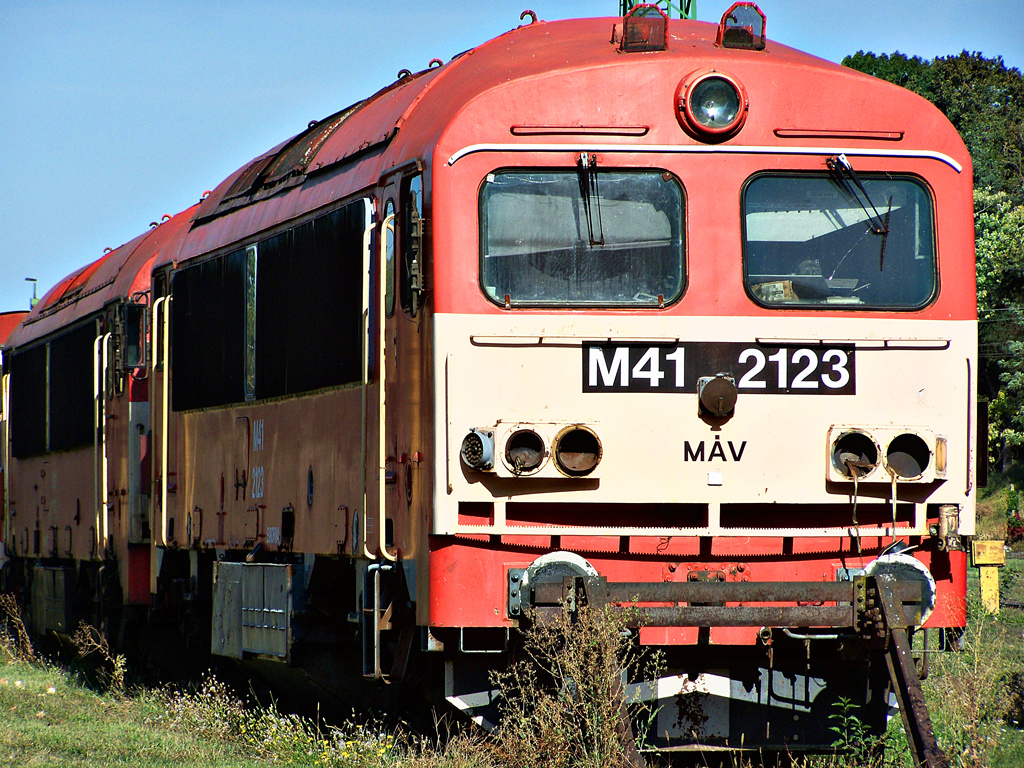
x=999, y=244
x=265, y=734
x=913, y=73
x=970, y=693
x=853, y=735
x=985, y=101
x=15, y=644
x=980, y=96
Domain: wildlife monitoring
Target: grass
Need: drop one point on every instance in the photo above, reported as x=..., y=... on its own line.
x=561, y=707
x=50, y=720
x=48, y=717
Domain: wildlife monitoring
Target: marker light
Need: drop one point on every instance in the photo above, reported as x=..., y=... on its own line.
x=712, y=105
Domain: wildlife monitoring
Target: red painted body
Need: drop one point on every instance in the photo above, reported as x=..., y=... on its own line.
x=268, y=458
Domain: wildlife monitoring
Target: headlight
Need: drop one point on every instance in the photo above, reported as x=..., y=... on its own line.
x=712, y=105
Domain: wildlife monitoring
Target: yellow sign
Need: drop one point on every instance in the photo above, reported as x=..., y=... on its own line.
x=988, y=553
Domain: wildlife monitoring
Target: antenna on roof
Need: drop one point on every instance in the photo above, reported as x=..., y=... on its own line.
x=35, y=299
x=686, y=9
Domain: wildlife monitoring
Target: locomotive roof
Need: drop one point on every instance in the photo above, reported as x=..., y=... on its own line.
x=115, y=275
x=562, y=73
x=8, y=321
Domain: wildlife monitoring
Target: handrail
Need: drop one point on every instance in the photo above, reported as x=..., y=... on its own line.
x=389, y=221
x=367, y=249
x=5, y=409
x=161, y=326
x=165, y=396
x=104, y=462
x=579, y=146
x=97, y=424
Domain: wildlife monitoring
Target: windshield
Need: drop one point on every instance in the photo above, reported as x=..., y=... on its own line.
x=811, y=241
x=582, y=238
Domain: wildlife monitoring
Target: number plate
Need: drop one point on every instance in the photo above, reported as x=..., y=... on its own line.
x=757, y=369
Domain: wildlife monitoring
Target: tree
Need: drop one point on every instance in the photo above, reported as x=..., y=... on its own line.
x=915, y=74
x=999, y=242
x=985, y=101
x=981, y=97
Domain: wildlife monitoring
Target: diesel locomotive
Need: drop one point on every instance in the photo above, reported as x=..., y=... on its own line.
x=659, y=313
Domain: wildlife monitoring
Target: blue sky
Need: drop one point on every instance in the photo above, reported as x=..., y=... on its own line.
x=115, y=112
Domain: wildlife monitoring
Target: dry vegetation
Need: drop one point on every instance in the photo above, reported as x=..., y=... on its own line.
x=561, y=706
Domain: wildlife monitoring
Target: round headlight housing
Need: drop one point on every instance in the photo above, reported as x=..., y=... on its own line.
x=711, y=104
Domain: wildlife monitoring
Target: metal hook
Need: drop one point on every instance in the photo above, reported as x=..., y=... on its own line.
x=433, y=62
x=531, y=14
x=403, y=73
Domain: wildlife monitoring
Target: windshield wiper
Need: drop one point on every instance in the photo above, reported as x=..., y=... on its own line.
x=844, y=173
x=586, y=171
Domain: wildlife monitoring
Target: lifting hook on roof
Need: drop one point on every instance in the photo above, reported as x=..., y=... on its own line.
x=105, y=250
x=531, y=14
x=403, y=73
x=165, y=217
x=206, y=194
x=438, y=62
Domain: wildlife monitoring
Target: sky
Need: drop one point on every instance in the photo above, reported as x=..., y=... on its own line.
x=115, y=112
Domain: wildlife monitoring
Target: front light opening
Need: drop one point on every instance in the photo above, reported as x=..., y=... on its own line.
x=908, y=456
x=577, y=451
x=854, y=454
x=524, y=451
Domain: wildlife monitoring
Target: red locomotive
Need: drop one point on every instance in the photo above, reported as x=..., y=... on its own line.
x=657, y=310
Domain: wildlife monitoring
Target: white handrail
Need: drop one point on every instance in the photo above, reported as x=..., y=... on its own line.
x=367, y=373
x=161, y=327
x=104, y=464
x=165, y=395
x=97, y=424
x=5, y=405
x=389, y=221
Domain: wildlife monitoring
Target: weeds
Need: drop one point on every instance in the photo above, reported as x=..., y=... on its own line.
x=14, y=640
x=854, y=741
x=1014, y=522
x=266, y=734
x=564, y=703
x=88, y=641
x=971, y=693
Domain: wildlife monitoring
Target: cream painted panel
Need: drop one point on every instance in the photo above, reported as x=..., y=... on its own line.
x=501, y=371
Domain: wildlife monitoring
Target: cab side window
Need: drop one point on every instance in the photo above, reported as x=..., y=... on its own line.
x=411, y=285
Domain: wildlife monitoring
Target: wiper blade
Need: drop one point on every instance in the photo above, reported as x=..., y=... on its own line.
x=839, y=166
x=586, y=170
